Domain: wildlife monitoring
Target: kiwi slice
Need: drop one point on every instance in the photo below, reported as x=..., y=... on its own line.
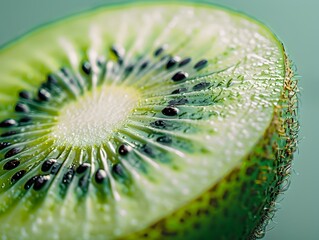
x=145, y=121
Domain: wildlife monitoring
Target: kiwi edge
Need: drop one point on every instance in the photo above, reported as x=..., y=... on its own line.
x=269, y=163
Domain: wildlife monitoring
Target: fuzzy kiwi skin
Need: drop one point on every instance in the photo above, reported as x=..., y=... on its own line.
x=241, y=204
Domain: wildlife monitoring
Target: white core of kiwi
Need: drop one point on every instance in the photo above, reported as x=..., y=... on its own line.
x=90, y=120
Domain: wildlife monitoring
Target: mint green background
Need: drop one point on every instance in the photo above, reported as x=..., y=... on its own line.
x=296, y=22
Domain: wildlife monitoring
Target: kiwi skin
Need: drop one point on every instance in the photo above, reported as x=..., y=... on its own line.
x=242, y=203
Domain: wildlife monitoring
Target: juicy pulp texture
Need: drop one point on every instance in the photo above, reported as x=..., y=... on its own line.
x=175, y=129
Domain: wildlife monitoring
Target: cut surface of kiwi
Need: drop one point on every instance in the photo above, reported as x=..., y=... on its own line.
x=145, y=121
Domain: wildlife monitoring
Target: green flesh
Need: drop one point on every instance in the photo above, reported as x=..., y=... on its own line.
x=216, y=127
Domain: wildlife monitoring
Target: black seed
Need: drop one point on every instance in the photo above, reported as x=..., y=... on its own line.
x=179, y=90
x=30, y=182
x=164, y=139
x=21, y=107
x=170, y=111
x=148, y=150
x=184, y=62
x=71, y=80
x=201, y=64
x=120, y=61
x=68, y=176
x=40, y=181
x=55, y=168
x=8, y=123
x=82, y=168
x=43, y=94
x=179, y=76
x=118, y=170
x=100, y=175
x=12, y=164
x=45, y=86
x=7, y=134
x=172, y=62
x=46, y=166
x=12, y=152
x=201, y=86
x=25, y=120
x=3, y=145
x=144, y=65
x=86, y=67
x=18, y=175
x=65, y=71
x=118, y=51
x=181, y=101
x=129, y=68
x=158, y=51
x=25, y=94
x=51, y=79
x=124, y=149
x=161, y=124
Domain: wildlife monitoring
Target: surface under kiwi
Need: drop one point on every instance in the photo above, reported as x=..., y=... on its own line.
x=145, y=121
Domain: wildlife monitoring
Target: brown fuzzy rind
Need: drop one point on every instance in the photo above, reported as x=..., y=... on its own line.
x=241, y=204
x=287, y=128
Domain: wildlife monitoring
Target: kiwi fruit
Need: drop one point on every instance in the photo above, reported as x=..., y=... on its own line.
x=145, y=121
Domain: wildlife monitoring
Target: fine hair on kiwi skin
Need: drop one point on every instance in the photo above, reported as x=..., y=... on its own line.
x=42, y=167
